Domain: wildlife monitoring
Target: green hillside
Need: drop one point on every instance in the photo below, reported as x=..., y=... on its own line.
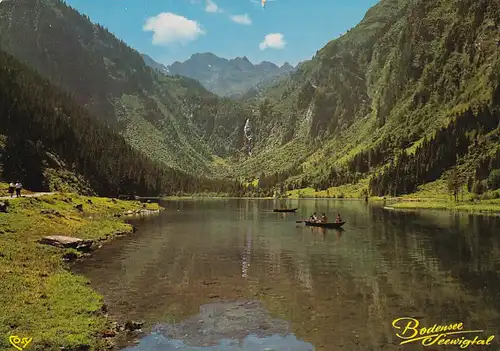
x=402, y=99
x=404, y=96
x=163, y=117
x=49, y=142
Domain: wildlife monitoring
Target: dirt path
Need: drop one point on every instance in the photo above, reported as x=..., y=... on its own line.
x=25, y=195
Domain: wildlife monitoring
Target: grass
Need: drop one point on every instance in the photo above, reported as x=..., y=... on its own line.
x=431, y=196
x=40, y=297
x=348, y=191
x=434, y=196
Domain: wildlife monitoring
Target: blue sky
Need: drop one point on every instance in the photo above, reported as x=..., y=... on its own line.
x=170, y=30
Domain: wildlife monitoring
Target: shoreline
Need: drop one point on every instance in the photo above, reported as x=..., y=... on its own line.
x=406, y=202
x=39, y=280
x=44, y=299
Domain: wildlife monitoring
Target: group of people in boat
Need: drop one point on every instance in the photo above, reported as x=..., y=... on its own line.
x=323, y=219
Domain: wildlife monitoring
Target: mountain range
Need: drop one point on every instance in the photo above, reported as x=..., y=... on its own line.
x=169, y=118
x=408, y=96
x=148, y=60
x=229, y=77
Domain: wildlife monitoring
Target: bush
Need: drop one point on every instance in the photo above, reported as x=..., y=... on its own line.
x=478, y=187
x=494, y=179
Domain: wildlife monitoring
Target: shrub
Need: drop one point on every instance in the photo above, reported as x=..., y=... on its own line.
x=494, y=179
x=478, y=187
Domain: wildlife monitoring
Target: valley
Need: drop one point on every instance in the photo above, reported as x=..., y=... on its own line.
x=368, y=104
x=394, y=119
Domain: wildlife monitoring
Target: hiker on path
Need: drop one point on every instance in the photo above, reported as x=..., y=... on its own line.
x=11, y=189
x=19, y=186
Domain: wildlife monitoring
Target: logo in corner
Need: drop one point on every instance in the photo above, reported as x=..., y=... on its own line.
x=409, y=330
x=19, y=343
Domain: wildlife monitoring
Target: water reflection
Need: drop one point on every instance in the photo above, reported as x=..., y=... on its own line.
x=156, y=342
x=230, y=326
x=338, y=289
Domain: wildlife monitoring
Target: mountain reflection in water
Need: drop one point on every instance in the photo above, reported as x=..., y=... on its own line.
x=157, y=342
x=334, y=290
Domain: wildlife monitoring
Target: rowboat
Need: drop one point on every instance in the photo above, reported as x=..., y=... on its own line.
x=325, y=225
x=285, y=210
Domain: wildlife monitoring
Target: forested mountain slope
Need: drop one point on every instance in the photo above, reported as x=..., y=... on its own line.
x=170, y=119
x=373, y=102
x=229, y=77
x=49, y=142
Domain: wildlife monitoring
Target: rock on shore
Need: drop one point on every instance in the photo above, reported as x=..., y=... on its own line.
x=67, y=242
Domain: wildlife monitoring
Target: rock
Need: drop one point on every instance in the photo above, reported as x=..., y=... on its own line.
x=67, y=242
x=81, y=347
x=51, y=212
x=70, y=256
x=133, y=325
x=4, y=205
x=129, y=212
x=108, y=333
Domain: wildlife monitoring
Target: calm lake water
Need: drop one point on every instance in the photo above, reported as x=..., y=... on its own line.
x=232, y=275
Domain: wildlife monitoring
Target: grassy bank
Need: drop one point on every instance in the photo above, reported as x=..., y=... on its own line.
x=40, y=298
x=435, y=196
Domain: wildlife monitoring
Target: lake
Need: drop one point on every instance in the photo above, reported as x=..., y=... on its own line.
x=232, y=275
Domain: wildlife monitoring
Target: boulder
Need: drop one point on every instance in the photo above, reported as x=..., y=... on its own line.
x=4, y=205
x=66, y=242
x=132, y=325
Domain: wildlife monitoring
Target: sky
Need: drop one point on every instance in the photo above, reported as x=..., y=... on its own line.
x=172, y=30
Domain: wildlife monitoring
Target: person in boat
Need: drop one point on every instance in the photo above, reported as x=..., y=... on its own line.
x=324, y=219
x=338, y=219
x=313, y=218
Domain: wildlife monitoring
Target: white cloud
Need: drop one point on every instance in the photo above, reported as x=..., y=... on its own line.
x=241, y=19
x=273, y=41
x=169, y=28
x=212, y=7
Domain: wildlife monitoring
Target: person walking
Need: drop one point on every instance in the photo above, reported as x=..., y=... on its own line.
x=12, y=187
x=19, y=186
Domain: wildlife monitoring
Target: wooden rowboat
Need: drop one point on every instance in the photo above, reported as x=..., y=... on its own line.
x=325, y=225
x=285, y=210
